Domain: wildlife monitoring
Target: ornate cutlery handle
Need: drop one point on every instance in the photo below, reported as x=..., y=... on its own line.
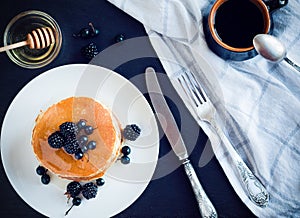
x=256, y=191
x=207, y=209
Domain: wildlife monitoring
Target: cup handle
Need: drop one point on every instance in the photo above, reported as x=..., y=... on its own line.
x=275, y=4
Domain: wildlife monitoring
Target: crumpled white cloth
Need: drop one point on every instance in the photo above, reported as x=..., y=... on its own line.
x=260, y=99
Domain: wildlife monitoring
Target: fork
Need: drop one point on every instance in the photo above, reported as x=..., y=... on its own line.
x=206, y=112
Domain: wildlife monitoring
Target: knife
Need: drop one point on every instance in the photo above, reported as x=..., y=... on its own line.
x=171, y=130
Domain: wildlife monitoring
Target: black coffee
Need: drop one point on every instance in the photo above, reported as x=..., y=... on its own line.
x=237, y=22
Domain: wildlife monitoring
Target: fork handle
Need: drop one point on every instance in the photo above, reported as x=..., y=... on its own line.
x=206, y=208
x=255, y=189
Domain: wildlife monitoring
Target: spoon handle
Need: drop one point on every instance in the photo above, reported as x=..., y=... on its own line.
x=292, y=64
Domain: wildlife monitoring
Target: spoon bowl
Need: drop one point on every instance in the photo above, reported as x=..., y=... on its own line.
x=272, y=49
x=269, y=47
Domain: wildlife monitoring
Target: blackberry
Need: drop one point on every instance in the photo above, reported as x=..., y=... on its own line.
x=73, y=189
x=71, y=144
x=56, y=140
x=131, y=132
x=89, y=190
x=68, y=128
x=90, y=51
x=136, y=128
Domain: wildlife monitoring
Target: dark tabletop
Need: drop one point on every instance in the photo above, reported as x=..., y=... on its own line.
x=169, y=196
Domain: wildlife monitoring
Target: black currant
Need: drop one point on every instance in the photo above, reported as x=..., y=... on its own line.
x=93, y=31
x=120, y=38
x=84, y=33
x=125, y=160
x=40, y=170
x=45, y=179
x=78, y=154
x=81, y=124
x=88, y=130
x=91, y=145
x=84, y=148
x=83, y=140
x=75, y=202
x=100, y=182
x=126, y=150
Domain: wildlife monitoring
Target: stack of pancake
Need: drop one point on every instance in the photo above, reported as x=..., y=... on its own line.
x=107, y=134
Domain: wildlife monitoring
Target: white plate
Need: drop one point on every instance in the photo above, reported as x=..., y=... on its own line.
x=123, y=183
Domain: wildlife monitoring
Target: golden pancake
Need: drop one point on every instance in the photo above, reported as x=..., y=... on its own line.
x=94, y=163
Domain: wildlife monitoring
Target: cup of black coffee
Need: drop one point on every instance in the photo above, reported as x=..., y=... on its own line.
x=230, y=26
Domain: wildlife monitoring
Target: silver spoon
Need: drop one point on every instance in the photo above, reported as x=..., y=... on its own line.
x=272, y=49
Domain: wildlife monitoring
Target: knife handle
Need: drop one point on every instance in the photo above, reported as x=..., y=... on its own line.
x=207, y=209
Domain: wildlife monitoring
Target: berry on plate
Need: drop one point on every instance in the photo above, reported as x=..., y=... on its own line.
x=131, y=132
x=89, y=190
x=73, y=189
x=45, y=179
x=100, y=182
x=126, y=150
x=75, y=202
x=125, y=159
x=40, y=170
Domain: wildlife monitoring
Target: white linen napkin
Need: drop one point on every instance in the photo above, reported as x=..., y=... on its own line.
x=260, y=100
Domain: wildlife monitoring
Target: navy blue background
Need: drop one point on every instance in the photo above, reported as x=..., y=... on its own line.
x=169, y=196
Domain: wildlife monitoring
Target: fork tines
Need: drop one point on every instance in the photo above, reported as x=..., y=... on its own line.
x=192, y=88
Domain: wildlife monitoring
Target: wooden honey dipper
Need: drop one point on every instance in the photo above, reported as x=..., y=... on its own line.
x=37, y=39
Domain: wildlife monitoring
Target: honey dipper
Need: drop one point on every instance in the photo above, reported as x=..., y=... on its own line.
x=37, y=39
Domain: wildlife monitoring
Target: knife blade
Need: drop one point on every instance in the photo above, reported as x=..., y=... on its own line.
x=171, y=130
x=164, y=115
